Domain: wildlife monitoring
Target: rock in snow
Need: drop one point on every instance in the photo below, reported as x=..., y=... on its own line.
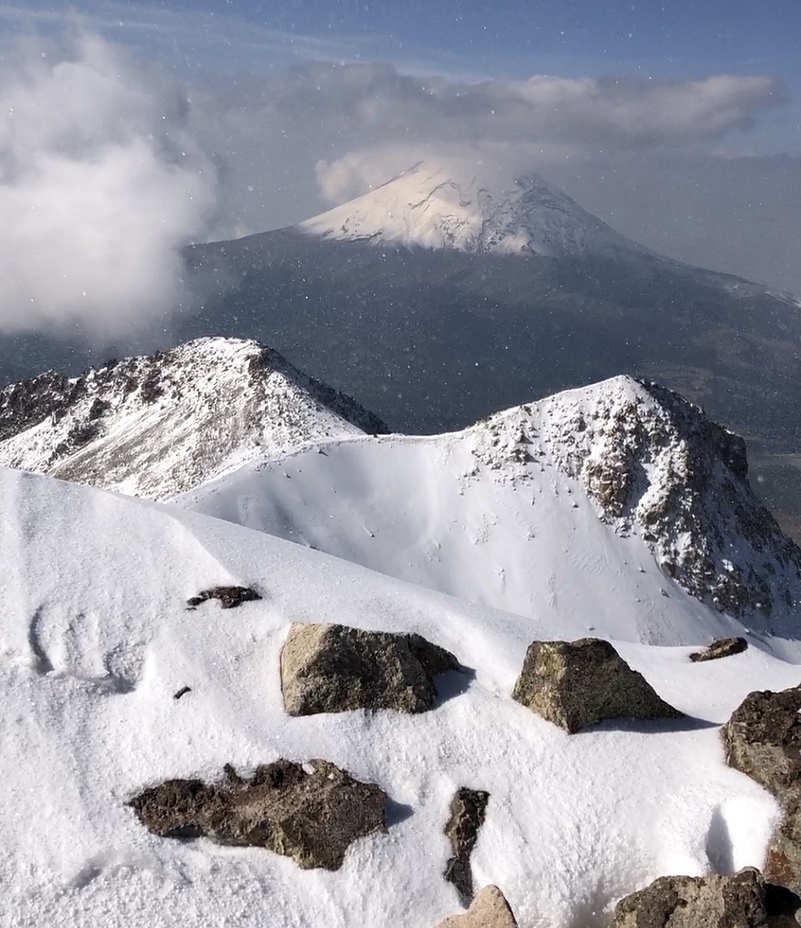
x=738, y=901
x=311, y=813
x=763, y=740
x=489, y=910
x=721, y=647
x=468, y=808
x=334, y=668
x=575, y=684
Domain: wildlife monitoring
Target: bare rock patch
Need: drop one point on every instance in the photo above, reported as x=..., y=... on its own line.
x=721, y=647
x=311, y=812
x=468, y=808
x=229, y=597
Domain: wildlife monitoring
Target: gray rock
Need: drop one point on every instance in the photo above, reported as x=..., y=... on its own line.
x=334, y=668
x=721, y=647
x=739, y=901
x=575, y=684
x=311, y=817
x=229, y=597
x=468, y=808
x=763, y=741
x=489, y=910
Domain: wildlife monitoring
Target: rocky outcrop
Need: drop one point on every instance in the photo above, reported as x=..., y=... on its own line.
x=159, y=425
x=657, y=466
x=721, y=647
x=229, y=597
x=489, y=910
x=763, y=741
x=334, y=668
x=468, y=808
x=739, y=901
x=311, y=812
x=575, y=684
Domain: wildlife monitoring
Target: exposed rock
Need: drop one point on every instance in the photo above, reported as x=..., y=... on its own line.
x=763, y=740
x=311, y=813
x=575, y=684
x=229, y=597
x=721, y=647
x=182, y=692
x=739, y=901
x=334, y=668
x=489, y=910
x=468, y=808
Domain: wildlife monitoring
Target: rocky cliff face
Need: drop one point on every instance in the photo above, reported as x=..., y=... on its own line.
x=656, y=466
x=156, y=426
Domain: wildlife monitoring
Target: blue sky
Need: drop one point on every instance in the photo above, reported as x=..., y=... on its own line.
x=659, y=39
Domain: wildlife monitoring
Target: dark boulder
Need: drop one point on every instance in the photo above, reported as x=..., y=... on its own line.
x=229, y=597
x=763, y=741
x=742, y=900
x=468, y=808
x=575, y=684
x=721, y=647
x=311, y=812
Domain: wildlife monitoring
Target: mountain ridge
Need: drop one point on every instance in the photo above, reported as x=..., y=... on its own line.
x=156, y=425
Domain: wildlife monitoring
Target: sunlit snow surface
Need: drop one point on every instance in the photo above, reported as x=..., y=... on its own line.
x=96, y=638
x=442, y=204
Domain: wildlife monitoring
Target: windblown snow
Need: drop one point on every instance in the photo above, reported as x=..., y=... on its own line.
x=473, y=209
x=96, y=639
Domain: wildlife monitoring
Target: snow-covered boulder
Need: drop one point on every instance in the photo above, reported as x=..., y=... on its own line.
x=575, y=684
x=334, y=668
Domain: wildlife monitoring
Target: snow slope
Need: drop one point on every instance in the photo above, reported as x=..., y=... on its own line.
x=96, y=638
x=469, y=208
x=621, y=484
x=154, y=426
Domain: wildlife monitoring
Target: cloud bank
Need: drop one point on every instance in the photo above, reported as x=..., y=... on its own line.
x=101, y=183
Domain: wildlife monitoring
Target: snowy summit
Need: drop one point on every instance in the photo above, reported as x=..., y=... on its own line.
x=158, y=425
x=470, y=208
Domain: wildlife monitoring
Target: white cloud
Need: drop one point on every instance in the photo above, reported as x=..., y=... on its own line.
x=101, y=184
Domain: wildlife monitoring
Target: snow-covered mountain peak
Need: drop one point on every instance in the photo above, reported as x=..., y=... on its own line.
x=656, y=466
x=157, y=425
x=469, y=208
